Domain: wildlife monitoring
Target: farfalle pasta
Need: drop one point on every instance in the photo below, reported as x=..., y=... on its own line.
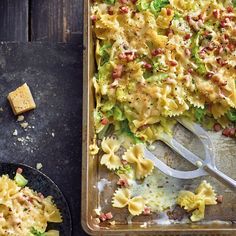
x=122, y=198
x=158, y=60
x=135, y=155
x=25, y=212
x=110, y=146
x=196, y=202
x=161, y=59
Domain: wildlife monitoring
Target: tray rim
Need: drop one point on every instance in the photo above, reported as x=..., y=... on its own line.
x=199, y=229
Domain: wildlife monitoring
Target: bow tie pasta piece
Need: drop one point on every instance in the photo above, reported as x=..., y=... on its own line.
x=204, y=195
x=135, y=155
x=122, y=198
x=206, y=191
x=110, y=159
x=136, y=205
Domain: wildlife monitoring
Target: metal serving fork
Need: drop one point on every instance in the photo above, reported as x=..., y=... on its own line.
x=205, y=167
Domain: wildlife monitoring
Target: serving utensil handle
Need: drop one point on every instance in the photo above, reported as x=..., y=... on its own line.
x=220, y=176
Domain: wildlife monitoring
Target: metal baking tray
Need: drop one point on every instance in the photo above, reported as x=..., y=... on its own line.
x=219, y=219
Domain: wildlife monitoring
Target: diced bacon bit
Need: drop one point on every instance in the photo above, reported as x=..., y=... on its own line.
x=110, y=10
x=187, y=52
x=229, y=132
x=19, y=170
x=124, y=162
x=210, y=46
x=225, y=38
x=219, y=50
x=147, y=210
x=221, y=62
x=105, y=216
x=217, y=80
x=157, y=52
x=209, y=75
x=206, y=33
x=188, y=18
x=168, y=12
x=130, y=56
x=187, y=36
x=104, y=121
x=124, y=9
x=109, y=216
x=231, y=47
x=94, y=18
x=202, y=53
x=123, y=183
x=122, y=56
x=173, y=63
x=134, y=1
x=195, y=24
x=217, y=127
x=219, y=198
x=169, y=32
x=216, y=13
x=223, y=23
x=230, y=9
x=123, y=1
x=31, y=200
x=117, y=72
x=190, y=70
x=147, y=65
x=102, y=217
x=201, y=16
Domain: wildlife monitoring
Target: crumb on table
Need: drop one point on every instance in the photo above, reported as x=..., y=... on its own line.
x=21, y=100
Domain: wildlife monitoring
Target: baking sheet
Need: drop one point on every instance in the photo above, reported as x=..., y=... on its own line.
x=220, y=218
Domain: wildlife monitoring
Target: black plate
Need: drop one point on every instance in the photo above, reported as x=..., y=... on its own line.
x=43, y=184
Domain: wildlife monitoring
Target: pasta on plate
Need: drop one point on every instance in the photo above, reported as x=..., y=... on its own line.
x=25, y=212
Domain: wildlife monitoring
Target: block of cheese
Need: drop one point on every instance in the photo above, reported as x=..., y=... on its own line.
x=21, y=100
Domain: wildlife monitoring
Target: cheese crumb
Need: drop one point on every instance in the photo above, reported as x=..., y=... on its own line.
x=15, y=133
x=24, y=125
x=20, y=118
x=112, y=222
x=21, y=100
x=39, y=166
x=144, y=225
x=97, y=211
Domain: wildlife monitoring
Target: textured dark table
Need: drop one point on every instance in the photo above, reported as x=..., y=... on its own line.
x=54, y=74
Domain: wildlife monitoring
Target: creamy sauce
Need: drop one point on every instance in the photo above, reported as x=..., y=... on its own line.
x=158, y=190
x=101, y=184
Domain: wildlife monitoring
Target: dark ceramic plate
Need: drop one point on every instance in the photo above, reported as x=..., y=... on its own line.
x=43, y=184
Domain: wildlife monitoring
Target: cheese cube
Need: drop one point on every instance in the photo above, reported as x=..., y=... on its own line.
x=21, y=100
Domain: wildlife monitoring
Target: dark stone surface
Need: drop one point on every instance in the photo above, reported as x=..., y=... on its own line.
x=54, y=74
